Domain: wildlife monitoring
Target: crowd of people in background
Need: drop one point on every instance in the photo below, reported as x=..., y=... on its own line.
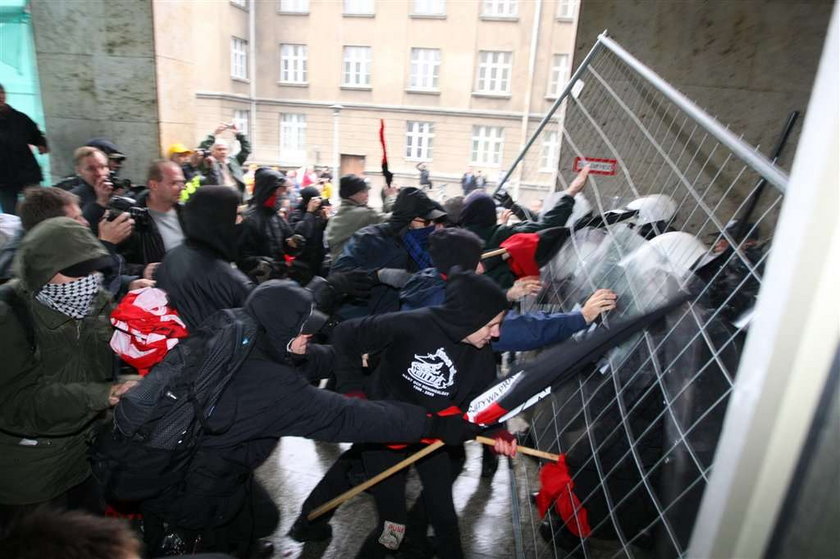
x=391, y=308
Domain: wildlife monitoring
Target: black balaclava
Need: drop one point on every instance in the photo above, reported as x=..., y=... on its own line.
x=266, y=181
x=472, y=300
x=455, y=247
x=410, y=203
x=280, y=307
x=479, y=210
x=210, y=220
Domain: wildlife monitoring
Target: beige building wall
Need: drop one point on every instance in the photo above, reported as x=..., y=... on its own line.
x=391, y=32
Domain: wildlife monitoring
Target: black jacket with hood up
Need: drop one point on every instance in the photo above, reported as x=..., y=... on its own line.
x=423, y=360
x=198, y=276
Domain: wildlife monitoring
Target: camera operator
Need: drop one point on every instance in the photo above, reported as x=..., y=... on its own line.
x=221, y=168
x=309, y=219
x=93, y=185
x=157, y=215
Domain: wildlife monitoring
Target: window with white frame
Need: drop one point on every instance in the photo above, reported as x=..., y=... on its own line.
x=356, y=67
x=429, y=7
x=425, y=65
x=293, y=138
x=238, y=58
x=358, y=7
x=418, y=140
x=493, y=72
x=241, y=119
x=550, y=152
x=559, y=74
x=294, y=6
x=566, y=9
x=293, y=63
x=500, y=8
x=487, y=144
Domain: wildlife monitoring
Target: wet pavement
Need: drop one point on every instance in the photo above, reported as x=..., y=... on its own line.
x=297, y=465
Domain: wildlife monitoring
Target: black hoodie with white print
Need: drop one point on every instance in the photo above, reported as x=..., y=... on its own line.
x=423, y=359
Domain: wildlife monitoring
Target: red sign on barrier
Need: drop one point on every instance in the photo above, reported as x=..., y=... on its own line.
x=597, y=165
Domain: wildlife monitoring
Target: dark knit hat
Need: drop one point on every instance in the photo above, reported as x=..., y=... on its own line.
x=479, y=210
x=471, y=301
x=455, y=247
x=350, y=185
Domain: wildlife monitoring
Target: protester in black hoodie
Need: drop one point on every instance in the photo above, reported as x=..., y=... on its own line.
x=269, y=397
x=435, y=357
x=309, y=220
x=198, y=276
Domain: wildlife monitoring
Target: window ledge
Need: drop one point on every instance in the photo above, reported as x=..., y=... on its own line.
x=240, y=80
x=362, y=16
x=293, y=84
x=357, y=87
x=491, y=95
x=282, y=13
x=416, y=160
x=564, y=19
x=427, y=16
x=500, y=18
x=241, y=7
x=422, y=91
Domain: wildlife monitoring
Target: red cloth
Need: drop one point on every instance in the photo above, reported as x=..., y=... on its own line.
x=522, y=249
x=556, y=487
x=145, y=328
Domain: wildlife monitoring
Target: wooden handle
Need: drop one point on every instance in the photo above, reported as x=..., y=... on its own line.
x=349, y=494
x=523, y=449
x=492, y=253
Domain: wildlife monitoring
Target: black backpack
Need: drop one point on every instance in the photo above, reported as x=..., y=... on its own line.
x=158, y=424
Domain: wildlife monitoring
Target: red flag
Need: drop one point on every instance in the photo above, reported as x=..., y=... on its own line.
x=528, y=252
x=556, y=487
x=389, y=176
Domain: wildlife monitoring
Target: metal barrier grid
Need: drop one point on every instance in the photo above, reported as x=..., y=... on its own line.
x=640, y=429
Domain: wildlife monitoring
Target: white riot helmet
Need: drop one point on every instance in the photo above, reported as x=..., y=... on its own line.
x=653, y=208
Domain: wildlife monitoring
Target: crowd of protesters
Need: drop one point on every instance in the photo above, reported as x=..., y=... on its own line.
x=394, y=308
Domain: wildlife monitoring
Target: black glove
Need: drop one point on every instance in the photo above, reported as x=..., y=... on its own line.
x=356, y=283
x=503, y=198
x=451, y=429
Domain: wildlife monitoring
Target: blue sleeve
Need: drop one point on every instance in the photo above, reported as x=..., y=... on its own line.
x=533, y=330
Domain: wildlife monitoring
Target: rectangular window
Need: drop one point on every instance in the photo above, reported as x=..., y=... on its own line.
x=487, y=143
x=566, y=9
x=241, y=119
x=238, y=58
x=356, y=67
x=429, y=7
x=550, y=152
x=418, y=140
x=559, y=75
x=500, y=8
x=293, y=138
x=358, y=7
x=493, y=72
x=425, y=64
x=294, y=6
x=293, y=63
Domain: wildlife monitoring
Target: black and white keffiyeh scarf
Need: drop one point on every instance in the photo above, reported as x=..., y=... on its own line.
x=73, y=298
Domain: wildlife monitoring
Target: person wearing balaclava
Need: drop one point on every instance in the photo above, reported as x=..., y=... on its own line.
x=56, y=381
x=265, y=238
x=401, y=243
x=437, y=358
x=479, y=216
x=269, y=398
x=309, y=219
x=198, y=276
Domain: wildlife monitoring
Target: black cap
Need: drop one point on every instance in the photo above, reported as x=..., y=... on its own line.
x=107, y=147
x=350, y=185
x=86, y=267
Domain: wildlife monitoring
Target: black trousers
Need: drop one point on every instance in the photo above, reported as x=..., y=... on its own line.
x=9, y=197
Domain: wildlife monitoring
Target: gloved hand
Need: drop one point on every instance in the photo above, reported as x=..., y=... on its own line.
x=393, y=277
x=504, y=199
x=356, y=283
x=451, y=429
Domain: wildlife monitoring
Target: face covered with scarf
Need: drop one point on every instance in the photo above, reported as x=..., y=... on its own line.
x=70, y=296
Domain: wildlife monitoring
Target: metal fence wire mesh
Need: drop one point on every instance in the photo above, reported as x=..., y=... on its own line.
x=640, y=429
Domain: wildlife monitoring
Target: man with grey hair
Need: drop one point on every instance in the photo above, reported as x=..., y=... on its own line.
x=220, y=167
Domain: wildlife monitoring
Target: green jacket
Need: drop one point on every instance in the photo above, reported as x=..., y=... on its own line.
x=350, y=217
x=51, y=399
x=235, y=162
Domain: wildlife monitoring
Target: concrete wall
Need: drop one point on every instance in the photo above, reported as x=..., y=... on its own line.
x=97, y=69
x=747, y=62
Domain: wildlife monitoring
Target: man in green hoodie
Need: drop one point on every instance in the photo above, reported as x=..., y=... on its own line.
x=55, y=385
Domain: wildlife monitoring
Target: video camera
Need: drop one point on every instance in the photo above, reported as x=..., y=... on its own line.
x=121, y=204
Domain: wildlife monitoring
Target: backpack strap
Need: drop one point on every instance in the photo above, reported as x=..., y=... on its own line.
x=9, y=295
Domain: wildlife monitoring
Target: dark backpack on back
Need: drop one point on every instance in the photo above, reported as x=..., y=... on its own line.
x=158, y=424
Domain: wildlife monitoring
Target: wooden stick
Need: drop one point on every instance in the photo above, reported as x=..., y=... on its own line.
x=492, y=253
x=329, y=505
x=523, y=449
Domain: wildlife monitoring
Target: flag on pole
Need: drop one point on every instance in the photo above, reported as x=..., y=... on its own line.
x=389, y=176
x=528, y=252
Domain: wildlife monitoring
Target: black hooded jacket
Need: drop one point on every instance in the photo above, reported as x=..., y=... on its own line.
x=198, y=276
x=311, y=226
x=263, y=232
x=423, y=360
